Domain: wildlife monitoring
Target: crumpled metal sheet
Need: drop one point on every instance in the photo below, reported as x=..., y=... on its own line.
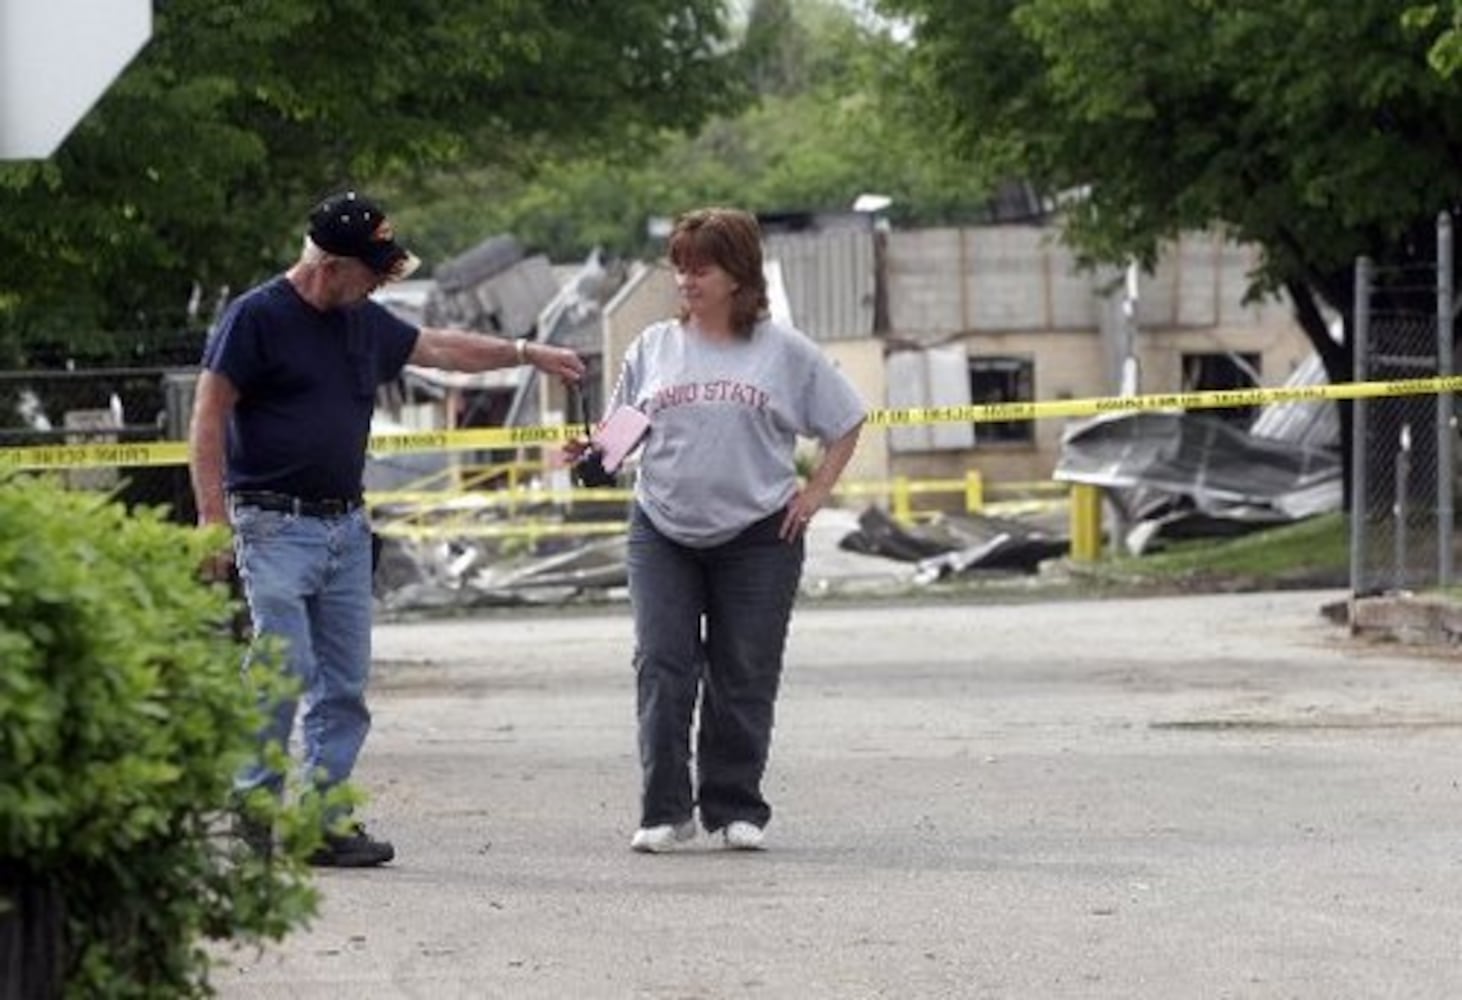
x=955, y=545
x=1204, y=459
x=463, y=573
x=1173, y=474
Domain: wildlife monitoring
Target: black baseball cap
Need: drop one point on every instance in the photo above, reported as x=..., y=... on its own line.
x=351, y=225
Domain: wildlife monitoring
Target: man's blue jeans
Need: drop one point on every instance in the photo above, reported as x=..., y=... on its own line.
x=710, y=622
x=308, y=582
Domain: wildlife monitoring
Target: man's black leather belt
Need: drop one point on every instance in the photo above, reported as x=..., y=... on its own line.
x=287, y=504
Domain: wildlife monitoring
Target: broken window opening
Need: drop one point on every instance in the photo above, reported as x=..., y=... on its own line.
x=1003, y=380
x=1223, y=371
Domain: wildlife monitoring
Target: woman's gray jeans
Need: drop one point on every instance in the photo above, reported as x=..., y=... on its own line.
x=709, y=623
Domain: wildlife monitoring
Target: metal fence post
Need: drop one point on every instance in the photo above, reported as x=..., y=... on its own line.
x=1444, y=400
x=1401, y=512
x=1360, y=335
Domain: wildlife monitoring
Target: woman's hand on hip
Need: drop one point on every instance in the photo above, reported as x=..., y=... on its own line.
x=799, y=514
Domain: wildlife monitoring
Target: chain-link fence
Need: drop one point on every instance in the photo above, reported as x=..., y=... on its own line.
x=110, y=405
x=1402, y=524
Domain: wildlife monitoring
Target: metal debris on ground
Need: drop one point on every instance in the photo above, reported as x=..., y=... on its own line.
x=848, y=554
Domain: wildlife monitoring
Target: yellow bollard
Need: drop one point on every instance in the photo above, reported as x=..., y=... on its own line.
x=1086, y=522
x=974, y=492
x=903, y=511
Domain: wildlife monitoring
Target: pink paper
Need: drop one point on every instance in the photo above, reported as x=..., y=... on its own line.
x=617, y=436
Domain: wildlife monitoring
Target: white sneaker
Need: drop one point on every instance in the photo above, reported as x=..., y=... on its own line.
x=740, y=835
x=660, y=839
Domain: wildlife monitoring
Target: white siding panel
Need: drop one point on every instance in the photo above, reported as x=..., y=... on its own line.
x=907, y=387
x=949, y=385
x=778, y=305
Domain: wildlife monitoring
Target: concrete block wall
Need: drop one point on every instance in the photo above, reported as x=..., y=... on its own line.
x=943, y=281
x=1015, y=291
x=1201, y=281
x=1003, y=278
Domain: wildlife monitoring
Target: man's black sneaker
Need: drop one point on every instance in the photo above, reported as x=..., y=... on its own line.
x=355, y=849
x=257, y=836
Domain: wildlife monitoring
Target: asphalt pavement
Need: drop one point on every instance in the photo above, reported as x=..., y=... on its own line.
x=1204, y=796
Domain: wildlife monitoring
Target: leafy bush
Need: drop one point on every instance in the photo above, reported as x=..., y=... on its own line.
x=122, y=720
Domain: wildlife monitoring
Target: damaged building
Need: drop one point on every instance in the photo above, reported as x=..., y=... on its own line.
x=927, y=317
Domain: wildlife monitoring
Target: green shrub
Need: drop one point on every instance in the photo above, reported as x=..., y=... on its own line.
x=122, y=720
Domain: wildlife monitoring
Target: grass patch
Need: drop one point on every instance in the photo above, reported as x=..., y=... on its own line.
x=1317, y=548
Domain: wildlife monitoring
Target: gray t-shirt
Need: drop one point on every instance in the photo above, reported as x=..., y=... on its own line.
x=724, y=420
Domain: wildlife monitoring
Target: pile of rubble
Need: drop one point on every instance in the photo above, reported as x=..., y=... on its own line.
x=848, y=554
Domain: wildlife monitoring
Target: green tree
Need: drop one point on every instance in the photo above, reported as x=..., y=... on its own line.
x=833, y=120
x=196, y=167
x=1317, y=131
x=1445, y=54
x=775, y=48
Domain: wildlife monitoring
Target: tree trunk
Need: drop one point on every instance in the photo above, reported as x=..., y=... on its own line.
x=31, y=937
x=1338, y=357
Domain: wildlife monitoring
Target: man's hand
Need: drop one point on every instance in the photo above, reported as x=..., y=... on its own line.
x=217, y=568
x=553, y=360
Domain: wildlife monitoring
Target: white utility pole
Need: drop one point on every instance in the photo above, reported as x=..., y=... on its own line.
x=1130, y=380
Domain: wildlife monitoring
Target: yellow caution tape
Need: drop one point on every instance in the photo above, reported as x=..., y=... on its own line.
x=1208, y=400
x=92, y=456
x=476, y=437
x=110, y=455
x=153, y=453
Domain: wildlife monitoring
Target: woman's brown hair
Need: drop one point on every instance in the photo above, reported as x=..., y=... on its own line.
x=730, y=239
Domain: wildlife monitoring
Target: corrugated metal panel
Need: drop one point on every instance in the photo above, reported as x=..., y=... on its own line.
x=830, y=280
x=1313, y=424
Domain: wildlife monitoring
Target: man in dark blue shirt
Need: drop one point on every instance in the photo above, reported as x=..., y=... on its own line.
x=277, y=445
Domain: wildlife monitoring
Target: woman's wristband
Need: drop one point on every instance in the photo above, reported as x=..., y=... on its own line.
x=521, y=346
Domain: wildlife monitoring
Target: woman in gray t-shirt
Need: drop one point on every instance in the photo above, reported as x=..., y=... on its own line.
x=716, y=536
